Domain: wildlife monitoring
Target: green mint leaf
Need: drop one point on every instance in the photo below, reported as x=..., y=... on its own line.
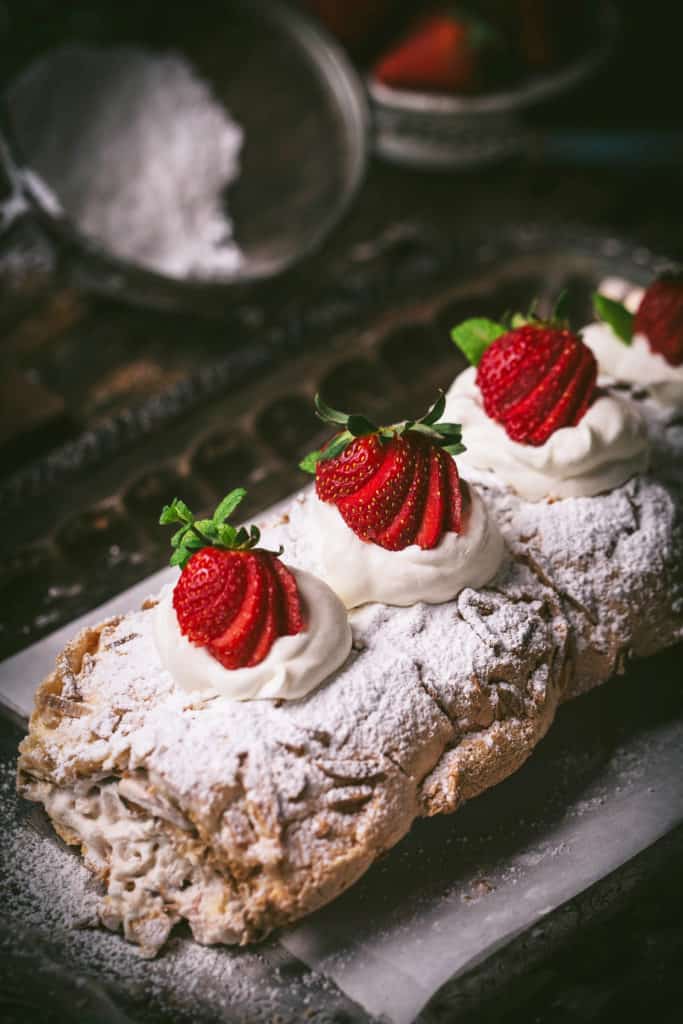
x=474, y=336
x=336, y=446
x=310, y=461
x=177, y=538
x=360, y=426
x=180, y=556
x=561, y=308
x=207, y=528
x=434, y=414
x=329, y=415
x=228, y=505
x=176, y=512
x=519, y=320
x=192, y=542
x=183, y=511
x=616, y=315
x=226, y=534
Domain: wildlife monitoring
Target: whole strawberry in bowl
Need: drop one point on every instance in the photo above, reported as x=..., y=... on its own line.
x=239, y=621
x=452, y=88
x=391, y=518
x=532, y=412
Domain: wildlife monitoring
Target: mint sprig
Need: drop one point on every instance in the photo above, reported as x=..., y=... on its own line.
x=616, y=315
x=474, y=336
x=445, y=435
x=195, y=534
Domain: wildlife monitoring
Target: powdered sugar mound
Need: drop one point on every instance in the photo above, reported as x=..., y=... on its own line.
x=138, y=152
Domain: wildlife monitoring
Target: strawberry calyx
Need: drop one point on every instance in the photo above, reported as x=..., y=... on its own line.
x=216, y=532
x=351, y=426
x=475, y=335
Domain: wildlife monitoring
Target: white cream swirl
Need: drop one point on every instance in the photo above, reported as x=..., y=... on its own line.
x=360, y=571
x=293, y=667
x=635, y=363
x=602, y=451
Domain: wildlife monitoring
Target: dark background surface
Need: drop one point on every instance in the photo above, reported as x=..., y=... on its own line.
x=627, y=965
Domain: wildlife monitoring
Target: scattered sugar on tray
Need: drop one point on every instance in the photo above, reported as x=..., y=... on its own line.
x=45, y=887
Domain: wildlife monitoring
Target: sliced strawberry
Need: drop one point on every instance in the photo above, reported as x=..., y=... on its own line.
x=269, y=628
x=454, y=511
x=232, y=598
x=569, y=409
x=392, y=483
x=209, y=593
x=536, y=379
x=370, y=510
x=234, y=646
x=403, y=528
x=526, y=418
x=434, y=514
x=585, y=385
x=346, y=473
x=292, y=610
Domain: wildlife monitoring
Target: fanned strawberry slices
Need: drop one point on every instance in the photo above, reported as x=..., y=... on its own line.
x=534, y=376
x=395, y=485
x=233, y=598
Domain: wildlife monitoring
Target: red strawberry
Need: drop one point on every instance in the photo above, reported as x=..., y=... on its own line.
x=534, y=378
x=433, y=521
x=232, y=598
x=395, y=485
x=207, y=597
x=439, y=55
x=405, y=525
x=350, y=470
x=660, y=318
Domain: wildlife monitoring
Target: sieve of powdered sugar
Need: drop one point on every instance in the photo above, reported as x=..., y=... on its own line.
x=136, y=151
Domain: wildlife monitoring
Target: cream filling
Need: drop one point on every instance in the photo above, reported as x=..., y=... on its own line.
x=293, y=667
x=607, y=447
x=151, y=879
x=636, y=363
x=360, y=571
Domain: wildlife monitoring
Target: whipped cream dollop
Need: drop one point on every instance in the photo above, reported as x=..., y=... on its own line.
x=607, y=446
x=635, y=363
x=293, y=667
x=360, y=571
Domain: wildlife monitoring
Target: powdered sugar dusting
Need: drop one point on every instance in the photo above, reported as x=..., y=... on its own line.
x=434, y=703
